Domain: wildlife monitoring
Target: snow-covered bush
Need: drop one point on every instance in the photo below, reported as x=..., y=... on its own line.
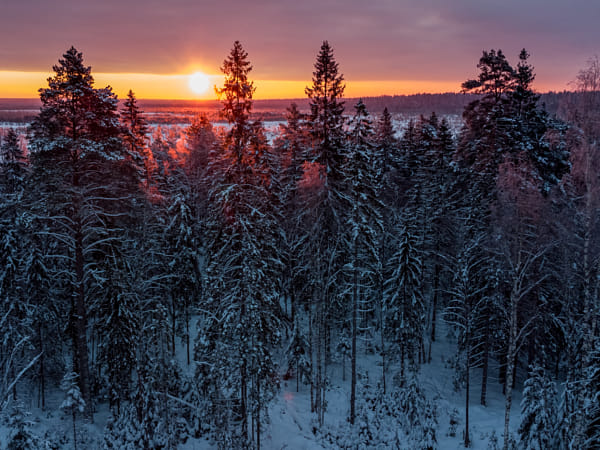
x=73, y=401
x=123, y=432
x=400, y=419
x=454, y=422
x=538, y=411
x=20, y=436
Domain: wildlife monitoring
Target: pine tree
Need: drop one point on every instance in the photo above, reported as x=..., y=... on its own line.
x=326, y=109
x=291, y=145
x=236, y=94
x=506, y=123
x=388, y=158
x=387, y=163
x=405, y=309
x=538, y=411
x=20, y=436
x=73, y=401
x=16, y=311
x=85, y=184
x=465, y=311
x=201, y=142
x=40, y=291
x=325, y=210
x=135, y=136
x=13, y=164
x=184, y=263
x=592, y=405
x=363, y=225
x=118, y=325
x=241, y=324
x=299, y=356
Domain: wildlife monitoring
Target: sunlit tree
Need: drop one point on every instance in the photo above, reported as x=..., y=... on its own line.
x=326, y=211
x=240, y=325
x=79, y=159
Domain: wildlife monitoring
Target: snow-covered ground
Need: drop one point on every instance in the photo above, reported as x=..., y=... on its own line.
x=291, y=422
x=290, y=426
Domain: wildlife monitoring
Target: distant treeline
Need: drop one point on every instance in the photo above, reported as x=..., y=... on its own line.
x=448, y=103
x=170, y=111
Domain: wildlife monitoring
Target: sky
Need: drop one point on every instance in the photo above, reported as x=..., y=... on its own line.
x=383, y=47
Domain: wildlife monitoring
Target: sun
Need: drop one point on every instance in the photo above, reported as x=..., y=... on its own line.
x=199, y=82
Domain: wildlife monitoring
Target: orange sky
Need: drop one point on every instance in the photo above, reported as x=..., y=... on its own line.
x=150, y=86
x=15, y=84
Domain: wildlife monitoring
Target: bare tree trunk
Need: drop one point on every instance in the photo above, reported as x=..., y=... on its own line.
x=510, y=362
x=319, y=356
x=243, y=398
x=484, y=370
x=81, y=325
x=74, y=432
x=42, y=369
x=187, y=334
x=382, y=329
x=173, y=317
x=402, y=357
x=354, y=314
x=436, y=285
x=311, y=355
x=258, y=407
x=468, y=382
x=326, y=354
x=244, y=382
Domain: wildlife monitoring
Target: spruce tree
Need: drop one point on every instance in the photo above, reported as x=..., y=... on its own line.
x=326, y=210
x=538, y=411
x=73, y=401
x=405, y=308
x=13, y=164
x=241, y=323
x=291, y=145
x=363, y=225
x=387, y=163
x=135, y=136
x=326, y=113
x=465, y=310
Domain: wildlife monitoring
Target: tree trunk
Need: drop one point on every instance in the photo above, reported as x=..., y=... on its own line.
x=243, y=398
x=244, y=380
x=311, y=355
x=436, y=283
x=319, y=356
x=258, y=405
x=74, y=432
x=484, y=370
x=187, y=334
x=402, y=351
x=353, y=361
x=173, y=314
x=42, y=369
x=382, y=329
x=510, y=358
x=81, y=349
x=468, y=382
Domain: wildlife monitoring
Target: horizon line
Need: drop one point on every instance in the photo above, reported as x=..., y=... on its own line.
x=208, y=100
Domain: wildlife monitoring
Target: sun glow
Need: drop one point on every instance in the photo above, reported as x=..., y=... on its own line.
x=199, y=83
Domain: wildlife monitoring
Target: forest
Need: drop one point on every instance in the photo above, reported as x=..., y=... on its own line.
x=167, y=288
